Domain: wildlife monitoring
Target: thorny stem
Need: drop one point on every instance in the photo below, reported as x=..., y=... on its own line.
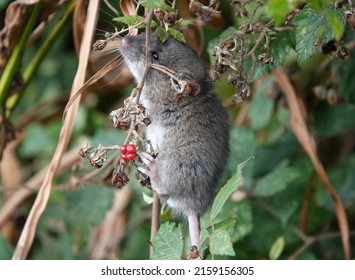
x=136, y=95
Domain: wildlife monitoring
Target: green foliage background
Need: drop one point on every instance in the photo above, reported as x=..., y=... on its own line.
x=262, y=220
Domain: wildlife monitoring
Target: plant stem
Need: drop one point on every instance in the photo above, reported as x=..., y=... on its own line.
x=14, y=60
x=40, y=55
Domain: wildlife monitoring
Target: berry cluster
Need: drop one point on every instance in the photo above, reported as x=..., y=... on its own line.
x=128, y=152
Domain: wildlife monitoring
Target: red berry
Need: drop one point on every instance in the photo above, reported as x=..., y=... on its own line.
x=131, y=156
x=124, y=149
x=131, y=149
x=124, y=156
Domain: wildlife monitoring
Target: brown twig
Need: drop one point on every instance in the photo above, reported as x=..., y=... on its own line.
x=305, y=208
x=308, y=143
x=33, y=184
x=155, y=220
x=27, y=235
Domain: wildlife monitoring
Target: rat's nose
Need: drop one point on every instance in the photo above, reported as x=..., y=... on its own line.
x=126, y=41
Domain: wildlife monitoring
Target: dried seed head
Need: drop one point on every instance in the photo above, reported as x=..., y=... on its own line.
x=350, y=18
x=143, y=179
x=342, y=53
x=147, y=121
x=265, y=58
x=320, y=92
x=170, y=18
x=85, y=151
x=159, y=14
x=99, y=45
x=241, y=13
x=95, y=163
x=119, y=178
x=242, y=89
x=121, y=119
x=247, y=28
x=329, y=47
x=332, y=97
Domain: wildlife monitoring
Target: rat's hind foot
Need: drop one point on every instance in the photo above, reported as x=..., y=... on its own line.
x=194, y=254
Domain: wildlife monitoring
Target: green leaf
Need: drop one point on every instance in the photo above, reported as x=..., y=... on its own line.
x=220, y=243
x=185, y=22
x=276, y=181
x=279, y=9
x=177, y=35
x=155, y=4
x=336, y=24
x=5, y=249
x=261, y=107
x=130, y=20
x=89, y=205
x=37, y=141
x=244, y=221
x=227, y=190
x=277, y=248
x=313, y=30
x=168, y=243
x=281, y=48
x=163, y=35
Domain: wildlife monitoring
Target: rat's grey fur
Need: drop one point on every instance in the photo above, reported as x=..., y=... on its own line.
x=191, y=134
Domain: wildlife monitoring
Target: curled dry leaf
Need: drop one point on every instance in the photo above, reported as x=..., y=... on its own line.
x=128, y=7
x=14, y=20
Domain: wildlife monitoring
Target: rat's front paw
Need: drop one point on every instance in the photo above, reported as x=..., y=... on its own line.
x=151, y=172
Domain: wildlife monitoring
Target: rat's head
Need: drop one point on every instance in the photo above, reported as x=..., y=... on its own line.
x=172, y=54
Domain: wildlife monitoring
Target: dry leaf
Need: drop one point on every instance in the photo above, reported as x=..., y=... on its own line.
x=128, y=7
x=14, y=19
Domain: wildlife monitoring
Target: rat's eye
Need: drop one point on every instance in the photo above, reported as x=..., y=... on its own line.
x=155, y=55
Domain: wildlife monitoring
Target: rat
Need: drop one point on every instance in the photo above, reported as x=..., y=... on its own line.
x=191, y=134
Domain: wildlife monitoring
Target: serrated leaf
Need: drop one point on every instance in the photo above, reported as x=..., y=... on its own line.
x=276, y=181
x=227, y=190
x=177, y=35
x=313, y=30
x=168, y=243
x=155, y=4
x=185, y=22
x=89, y=205
x=277, y=248
x=220, y=243
x=130, y=20
x=163, y=35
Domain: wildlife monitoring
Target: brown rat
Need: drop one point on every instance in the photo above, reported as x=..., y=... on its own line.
x=191, y=134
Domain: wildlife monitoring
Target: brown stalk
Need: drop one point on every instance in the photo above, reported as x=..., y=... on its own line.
x=26, y=239
x=32, y=185
x=307, y=141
